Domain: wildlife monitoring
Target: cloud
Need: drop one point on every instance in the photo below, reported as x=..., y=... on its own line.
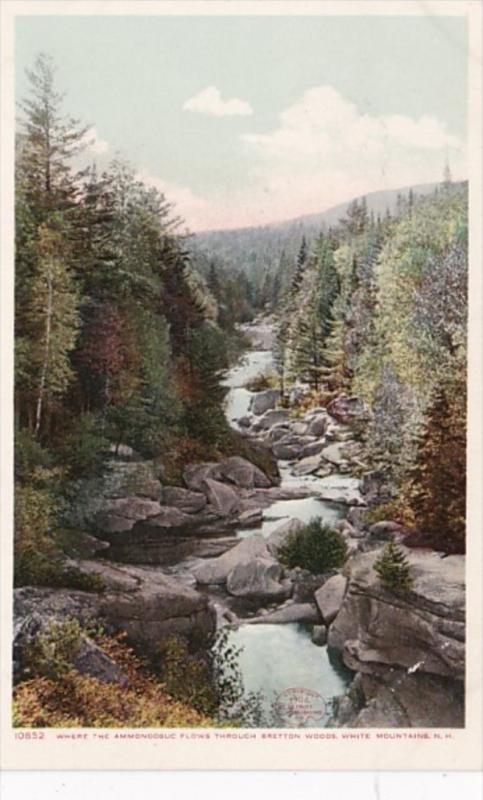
x=209, y=101
x=322, y=152
x=94, y=143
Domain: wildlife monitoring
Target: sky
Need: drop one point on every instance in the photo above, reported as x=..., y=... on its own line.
x=250, y=120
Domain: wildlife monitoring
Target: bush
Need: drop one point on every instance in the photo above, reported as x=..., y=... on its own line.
x=262, y=381
x=60, y=697
x=393, y=569
x=316, y=547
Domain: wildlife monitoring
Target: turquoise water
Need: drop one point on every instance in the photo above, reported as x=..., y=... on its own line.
x=280, y=660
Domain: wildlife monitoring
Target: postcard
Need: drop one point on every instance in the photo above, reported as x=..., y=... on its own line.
x=241, y=385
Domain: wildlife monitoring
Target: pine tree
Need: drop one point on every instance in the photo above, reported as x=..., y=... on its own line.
x=438, y=479
x=393, y=569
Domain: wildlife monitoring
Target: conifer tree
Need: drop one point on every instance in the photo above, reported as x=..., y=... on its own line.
x=393, y=569
x=438, y=486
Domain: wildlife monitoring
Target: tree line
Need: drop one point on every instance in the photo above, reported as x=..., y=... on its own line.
x=377, y=307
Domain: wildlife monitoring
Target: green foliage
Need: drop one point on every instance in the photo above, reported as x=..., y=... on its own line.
x=52, y=652
x=436, y=493
x=393, y=569
x=316, y=547
x=264, y=380
x=211, y=682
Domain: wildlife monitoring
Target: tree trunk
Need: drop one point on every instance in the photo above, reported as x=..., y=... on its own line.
x=45, y=363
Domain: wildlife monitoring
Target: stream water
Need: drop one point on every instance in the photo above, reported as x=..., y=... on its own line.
x=281, y=661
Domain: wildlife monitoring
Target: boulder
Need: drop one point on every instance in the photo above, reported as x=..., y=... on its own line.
x=186, y=500
x=124, y=481
x=285, y=452
x=223, y=498
x=106, y=523
x=134, y=508
x=194, y=475
x=385, y=530
x=398, y=699
x=277, y=432
x=216, y=570
x=334, y=454
x=312, y=449
x=345, y=409
x=91, y=660
x=243, y=473
x=299, y=428
x=279, y=537
x=168, y=517
x=258, y=578
x=291, y=612
x=307, y=465
x=245, y=421
x=319, y=635
x=263, y=401
x=146, y=604
x=423, y=629
x=269, y=419
x=317, y=425
x=330, y=596
x=343, y=496
x=250, y=517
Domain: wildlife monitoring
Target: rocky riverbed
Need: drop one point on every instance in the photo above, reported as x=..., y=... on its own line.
x=184, y=559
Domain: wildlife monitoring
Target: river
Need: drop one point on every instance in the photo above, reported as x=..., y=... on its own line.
x=280, y=660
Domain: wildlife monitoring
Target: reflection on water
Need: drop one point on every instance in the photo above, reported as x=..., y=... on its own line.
x=276, y=658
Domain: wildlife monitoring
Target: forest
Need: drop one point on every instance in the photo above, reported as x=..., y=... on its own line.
x=125, y=329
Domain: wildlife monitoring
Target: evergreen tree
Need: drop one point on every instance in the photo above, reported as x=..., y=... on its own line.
x=393, y=569
x=438, y=485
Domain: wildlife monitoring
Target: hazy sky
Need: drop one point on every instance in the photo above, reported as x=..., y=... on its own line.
x=247, y=120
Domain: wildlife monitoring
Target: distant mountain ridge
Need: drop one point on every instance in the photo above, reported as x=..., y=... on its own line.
x=258, y=249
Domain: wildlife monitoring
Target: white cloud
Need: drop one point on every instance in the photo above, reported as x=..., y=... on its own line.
x=324, y=151
x=94, y=143
x=209, y=101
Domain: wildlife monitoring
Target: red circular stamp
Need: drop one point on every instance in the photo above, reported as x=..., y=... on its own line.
x=299, y=706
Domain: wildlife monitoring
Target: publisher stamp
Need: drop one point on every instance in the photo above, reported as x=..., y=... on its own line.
x=299, y=706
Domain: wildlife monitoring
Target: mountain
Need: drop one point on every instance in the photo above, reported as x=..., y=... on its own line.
x=258, y=249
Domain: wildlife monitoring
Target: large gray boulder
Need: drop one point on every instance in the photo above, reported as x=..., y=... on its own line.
x=224, y=500
x=263, y=401
x=285, y=452
x=194, y=475
x=243, y=473
x=123, y=492
x=308, y=465
x=270, y=418
x=312, y=449
x=216, y=570
x=330, y=596
x=167, y=519
x=185, y=500
x=401, y=699
x=317, y=425
x=259, y=578
x=423, y=630
x=142, y=602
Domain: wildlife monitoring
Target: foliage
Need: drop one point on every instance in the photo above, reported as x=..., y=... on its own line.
x=436, y=493
x=262, y=381
x=393, y=569
x=62, y=697
x=316, y=547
